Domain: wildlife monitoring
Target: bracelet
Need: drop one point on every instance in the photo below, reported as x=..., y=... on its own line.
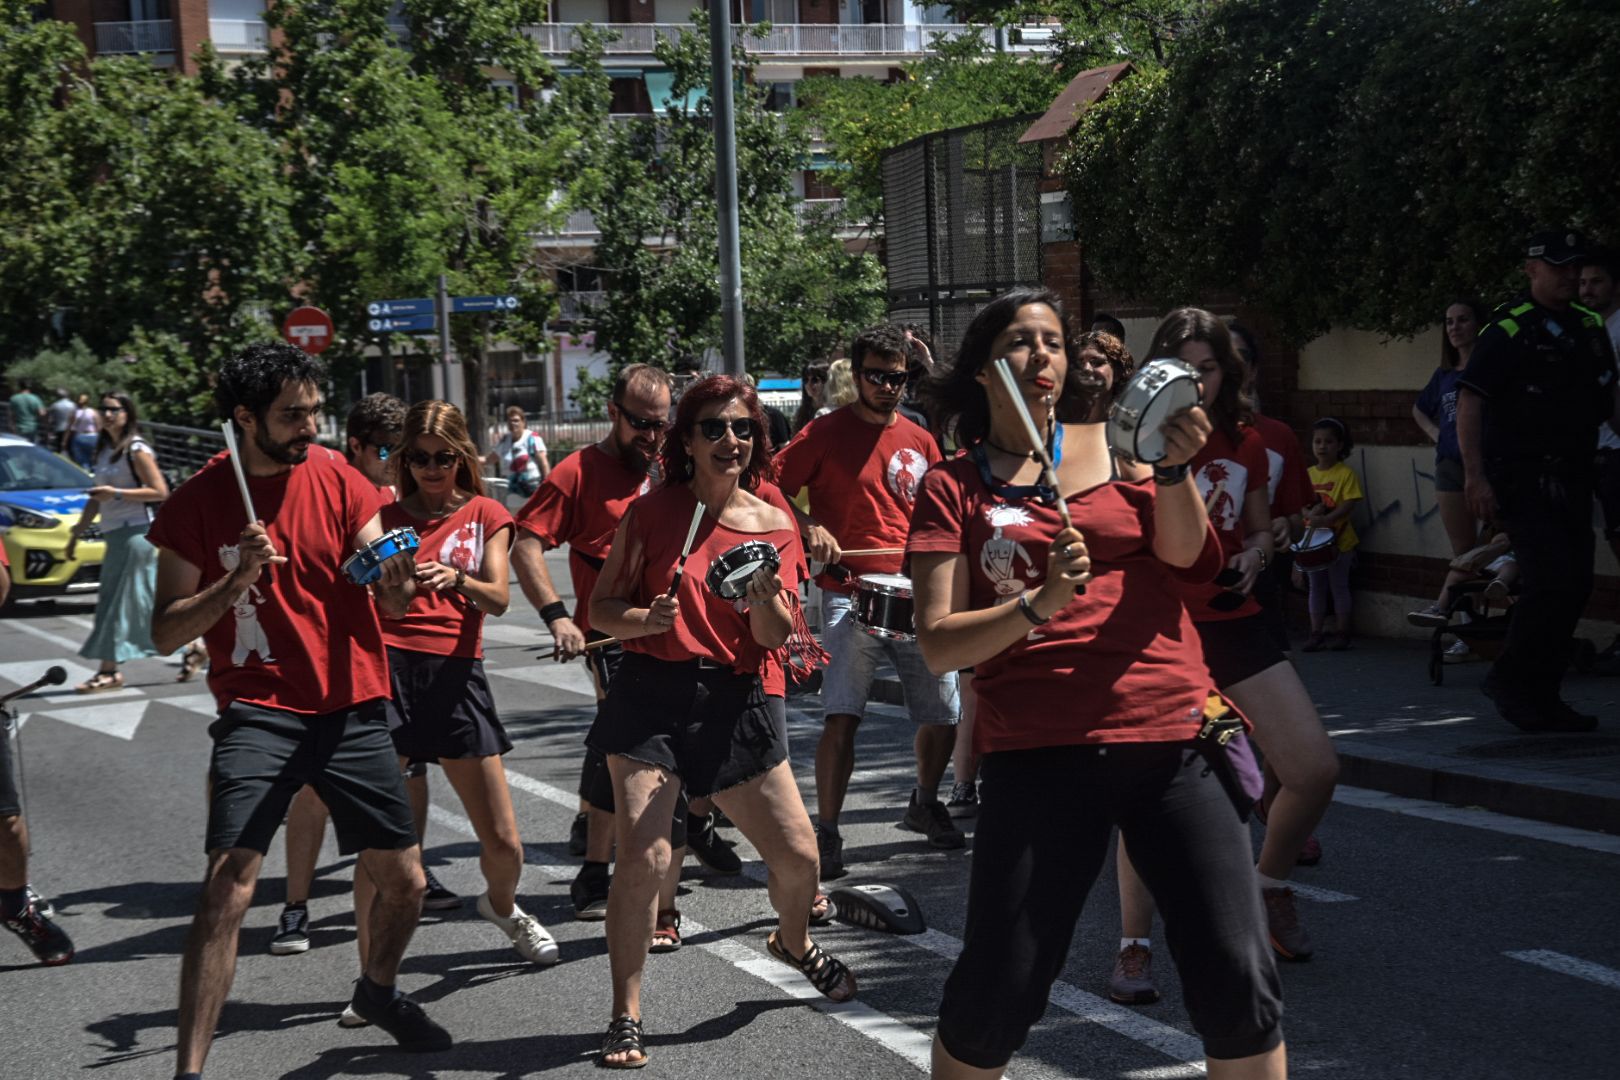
x=118, y=496
x=1027, y=609
x=1262, y=553
x=1165, y=475
x=461, y=577
x=553, y=611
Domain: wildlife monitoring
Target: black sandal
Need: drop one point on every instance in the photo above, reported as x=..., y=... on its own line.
x=825, y=971
x=821, y=910
x=623, y=1036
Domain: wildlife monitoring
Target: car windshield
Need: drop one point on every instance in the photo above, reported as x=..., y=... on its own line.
x=29, y=468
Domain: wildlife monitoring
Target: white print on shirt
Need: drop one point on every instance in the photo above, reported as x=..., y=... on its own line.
x=1274, y=480
x=1226, y=511
x=998, y=558
x=249, y=634
x=905, y=472
x=464, y=548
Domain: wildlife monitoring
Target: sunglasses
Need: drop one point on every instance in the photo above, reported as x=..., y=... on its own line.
x=110, y=409
x=421, y=459
x=642, y=423
x=815, y=376
x=890, y=380
x=714, y=430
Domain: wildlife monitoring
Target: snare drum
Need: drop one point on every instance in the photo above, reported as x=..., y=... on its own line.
x=1161, y=389
x=1316, y=550
x=365, y=565
x=729, y=573
x=883, y=606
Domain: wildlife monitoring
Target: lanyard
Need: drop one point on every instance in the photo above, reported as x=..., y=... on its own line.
x=1043, y=492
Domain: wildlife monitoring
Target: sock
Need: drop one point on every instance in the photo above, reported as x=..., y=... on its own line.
x=829, y=827
x=188, y=1076
x=13, y=901
x=591, y=869
x=1270, y=882
x=1127, y=942
x=377, y=993
x=922, y=798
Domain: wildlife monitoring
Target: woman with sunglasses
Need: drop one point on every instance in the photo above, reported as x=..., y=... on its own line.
x=442, y=709
x=1244, y=658
x=1086, y=701
x=688, y=704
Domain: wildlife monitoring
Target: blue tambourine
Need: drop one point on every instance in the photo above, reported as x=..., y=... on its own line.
x=365, y=565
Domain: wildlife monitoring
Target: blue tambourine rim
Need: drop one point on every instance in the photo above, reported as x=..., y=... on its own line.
x=382, y=549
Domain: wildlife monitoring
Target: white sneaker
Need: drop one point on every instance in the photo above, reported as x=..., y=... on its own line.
x=532, y=941
x=1458, y=650
x=351, y=1019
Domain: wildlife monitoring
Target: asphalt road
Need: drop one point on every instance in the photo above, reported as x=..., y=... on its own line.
x=1444, y=952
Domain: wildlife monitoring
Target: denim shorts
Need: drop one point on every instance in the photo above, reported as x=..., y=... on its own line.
x=930, y=698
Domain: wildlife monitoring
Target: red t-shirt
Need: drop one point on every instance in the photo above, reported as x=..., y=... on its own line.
x=579, y=503
x=708, y=625
x=1235, y=470
x=774, y=676
x=446, y=623
x=302, y=637
x=1122, y=663
x=863, y=481
x=1287, y=480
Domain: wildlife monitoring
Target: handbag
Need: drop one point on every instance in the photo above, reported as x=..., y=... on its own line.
x=1223, y=743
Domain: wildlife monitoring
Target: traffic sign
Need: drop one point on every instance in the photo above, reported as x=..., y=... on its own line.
x=309, y=328
x=385, y=308
x=483, y=303
x=410, y=324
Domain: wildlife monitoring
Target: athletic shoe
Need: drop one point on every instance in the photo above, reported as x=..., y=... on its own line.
x=830, y=846
x=292, y=936
x=1311, y=853
x=48, y=942
x=351, y=1019
x=578, y=833
x=964, y=800
x=532, y=941
x=1458, y=650
x=403, y=1019
x=1288, y=937
x=41, y=905
x=589, y=892
x=711, y=849
x=1429, y=616
x=932, y=819
x=437, y=897
x=1132, y=980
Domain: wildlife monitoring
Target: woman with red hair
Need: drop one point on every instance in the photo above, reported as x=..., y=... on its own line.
x=688, y=704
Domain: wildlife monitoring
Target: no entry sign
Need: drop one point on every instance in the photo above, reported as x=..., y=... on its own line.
x=309, y=328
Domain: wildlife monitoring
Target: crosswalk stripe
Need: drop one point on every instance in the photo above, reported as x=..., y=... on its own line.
x=1568, y=965
x=1476, y=818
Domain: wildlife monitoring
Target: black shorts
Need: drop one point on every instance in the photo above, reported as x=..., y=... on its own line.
x=10, y=795
x=1449, y=476
x=1608, y=491
x=263, y=756
x=1271, y=593
x=1237, y=649
x=713, y=728
x=603, y=662
x=442, y=707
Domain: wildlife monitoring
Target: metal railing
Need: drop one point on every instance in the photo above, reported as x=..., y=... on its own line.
x=148, y=36
x=786, y=39
x=239, y=35
x=181, y=451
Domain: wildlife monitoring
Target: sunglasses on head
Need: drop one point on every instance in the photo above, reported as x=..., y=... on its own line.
x=715, y=429
x=642, y=423
x=421, y=459
x=892, y=380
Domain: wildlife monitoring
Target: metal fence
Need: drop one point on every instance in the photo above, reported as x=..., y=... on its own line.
x=961, y=212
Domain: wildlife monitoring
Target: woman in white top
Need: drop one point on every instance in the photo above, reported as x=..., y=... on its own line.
x=82, y=431
x=127, y=483
x=521, y=453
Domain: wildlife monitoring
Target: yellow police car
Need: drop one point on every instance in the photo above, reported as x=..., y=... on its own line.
x=41, y=495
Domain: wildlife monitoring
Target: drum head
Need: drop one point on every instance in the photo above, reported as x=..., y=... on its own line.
x=888, y=584
x=1174, y=396
x=728, y=575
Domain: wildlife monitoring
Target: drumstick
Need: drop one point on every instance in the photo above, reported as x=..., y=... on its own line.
x=686, y=549
x=229, y=427
x=1048, y=470
x=589, y=645
x=873, y=551
x=1214, y=494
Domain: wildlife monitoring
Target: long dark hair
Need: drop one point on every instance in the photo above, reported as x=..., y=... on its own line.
x=953, y=394
x=1449, y=356
x=1232, y=407
x=132, y=427
x=447, y=422
x=717, y=388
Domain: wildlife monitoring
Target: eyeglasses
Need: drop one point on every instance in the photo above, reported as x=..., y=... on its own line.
x=715, y=429
x=421, y=459
x=890, y=380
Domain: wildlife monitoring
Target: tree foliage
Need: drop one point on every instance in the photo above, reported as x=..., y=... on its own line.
x=1094, y=33
x=1351, y=163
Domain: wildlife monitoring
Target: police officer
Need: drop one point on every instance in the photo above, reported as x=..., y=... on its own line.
x=1540, y=381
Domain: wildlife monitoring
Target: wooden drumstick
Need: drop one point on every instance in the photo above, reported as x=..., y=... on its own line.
x=589, y=645
x=873, y=551
x=229, y=427
x=1003, y=371
x=686, y=549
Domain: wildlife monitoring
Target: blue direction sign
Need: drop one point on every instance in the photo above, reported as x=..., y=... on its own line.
x=410, y=324
x=483, y=303
x=386, y=308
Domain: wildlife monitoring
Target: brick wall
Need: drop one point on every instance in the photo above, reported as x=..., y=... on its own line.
x=190, y=31
x=818, y=11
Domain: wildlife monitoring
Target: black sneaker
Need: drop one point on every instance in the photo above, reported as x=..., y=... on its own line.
x=578, y=833
x=437, y=897
x=932, y=819
x=41, y=904
x=404, y=1020
x=48, y=942
x=711, y=849
x=831, y=848
x=964, y=801
x=589, y=892
x=292, y=934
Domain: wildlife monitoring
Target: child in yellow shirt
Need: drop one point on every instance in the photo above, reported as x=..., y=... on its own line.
x=1338, y=489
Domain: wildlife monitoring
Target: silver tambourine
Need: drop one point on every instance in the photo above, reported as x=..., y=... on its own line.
x=1161, y=389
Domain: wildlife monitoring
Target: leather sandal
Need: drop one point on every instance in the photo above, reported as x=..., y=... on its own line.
x=101, y=680
x=666, y=936
x=821, y=910
x=191, y=662
x=826, y=972
x=623, y=1037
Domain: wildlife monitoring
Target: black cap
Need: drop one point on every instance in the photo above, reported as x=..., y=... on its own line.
x=1556, y=246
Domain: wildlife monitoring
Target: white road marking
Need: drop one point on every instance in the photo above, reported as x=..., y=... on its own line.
x=570, y=677
x=203, y=704
x=1321, y=896
x=43, y=635
x=549, y=792
x=1569, y=965
x=79, y=620
x=1476, y=818
x=120, y=720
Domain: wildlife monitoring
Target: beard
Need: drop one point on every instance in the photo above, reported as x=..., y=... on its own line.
x=292, y=452
x=634, y=458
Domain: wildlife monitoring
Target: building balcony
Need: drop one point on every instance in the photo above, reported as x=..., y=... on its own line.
x=148, y=36
x=782, y=39
x=238, y=37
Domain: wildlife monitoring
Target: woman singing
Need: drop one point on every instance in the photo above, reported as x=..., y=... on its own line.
x=1087, y=702
x=687, y=703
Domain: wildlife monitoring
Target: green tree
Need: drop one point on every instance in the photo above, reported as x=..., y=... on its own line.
x=1093, y=33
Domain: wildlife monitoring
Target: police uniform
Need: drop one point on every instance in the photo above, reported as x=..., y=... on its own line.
x=1546, y=378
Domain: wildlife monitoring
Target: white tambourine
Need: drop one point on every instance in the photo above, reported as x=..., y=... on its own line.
x=1161, y=389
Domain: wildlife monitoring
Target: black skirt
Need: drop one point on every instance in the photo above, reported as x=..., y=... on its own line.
x=442, y=707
